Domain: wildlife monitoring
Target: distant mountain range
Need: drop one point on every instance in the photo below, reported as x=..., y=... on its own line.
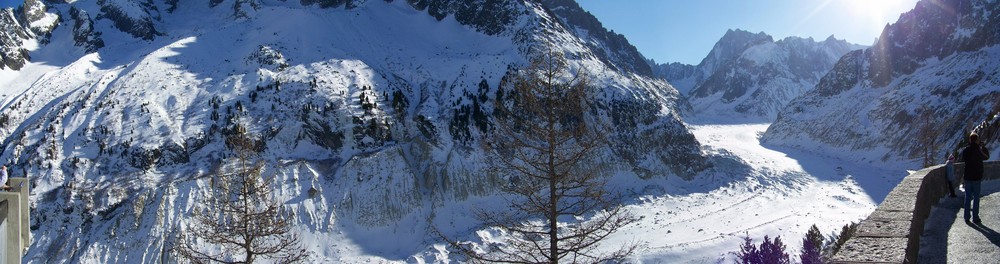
x=750, y=77
x=939, y=64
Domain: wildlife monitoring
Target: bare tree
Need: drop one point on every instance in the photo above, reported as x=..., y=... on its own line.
x=929, y=132
x=544, y=142
x=240, y=215
x=927, y=136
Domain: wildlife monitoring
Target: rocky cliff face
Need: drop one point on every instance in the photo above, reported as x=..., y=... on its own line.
x=28, y=25
x=681, y=76
x=372, y=112
x=611, y=48
x=751, y=76
x=134, y=17
x=937, y=65
x=13, y=34
x=83, y=31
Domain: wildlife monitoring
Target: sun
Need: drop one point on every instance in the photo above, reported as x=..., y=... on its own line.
x=877, y=13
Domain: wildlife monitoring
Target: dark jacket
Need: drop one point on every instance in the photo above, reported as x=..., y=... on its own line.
x=974, y=155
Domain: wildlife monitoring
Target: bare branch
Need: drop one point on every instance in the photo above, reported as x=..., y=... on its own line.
x=240, y=214
x=544, y=141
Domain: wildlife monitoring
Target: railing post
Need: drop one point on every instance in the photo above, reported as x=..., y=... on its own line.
x=3, y=232
x=25, y=188
x=14, y=244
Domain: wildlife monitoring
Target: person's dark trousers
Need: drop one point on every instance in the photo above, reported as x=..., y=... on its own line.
x=973, y=189
x=951, y=188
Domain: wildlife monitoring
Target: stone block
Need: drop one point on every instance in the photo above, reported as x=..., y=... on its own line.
x=910, y=183
x=881, y=228
x=872, y=250
x=898, y=201
x=891, y=215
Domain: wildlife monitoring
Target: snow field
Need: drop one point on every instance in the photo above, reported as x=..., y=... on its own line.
x=783, y=194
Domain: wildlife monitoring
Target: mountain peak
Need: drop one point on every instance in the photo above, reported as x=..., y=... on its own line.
x=830, y=38
x=740, y=35
x=732, y=44
x=749, y=75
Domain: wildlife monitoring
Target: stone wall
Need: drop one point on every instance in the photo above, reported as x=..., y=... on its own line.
x=892, y=233
x=16, y=236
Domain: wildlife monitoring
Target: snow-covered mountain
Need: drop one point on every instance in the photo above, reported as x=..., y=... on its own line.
x=938, y=64
x=371, y=110
x=749, y=76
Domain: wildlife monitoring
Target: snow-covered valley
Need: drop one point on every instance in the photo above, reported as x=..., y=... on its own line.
x=762, y=191
x=784, y=193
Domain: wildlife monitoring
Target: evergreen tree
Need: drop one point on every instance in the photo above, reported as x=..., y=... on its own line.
x=773, y=251
x=748, y=252
x=838, y=241
x=811, y=246
x=769, y=252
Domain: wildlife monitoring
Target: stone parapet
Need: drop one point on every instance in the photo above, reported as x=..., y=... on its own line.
x=891, y=234
x=16, y=220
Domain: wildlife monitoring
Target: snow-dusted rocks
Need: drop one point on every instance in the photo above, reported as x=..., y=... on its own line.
x=14, y=33
x=135, y=17
x=83, y=31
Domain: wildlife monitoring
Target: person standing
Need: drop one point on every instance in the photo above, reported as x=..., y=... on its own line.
x=949, y=168
x=974, y=154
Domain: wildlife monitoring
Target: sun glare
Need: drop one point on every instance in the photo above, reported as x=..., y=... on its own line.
x=872, y=12
x=877, y=13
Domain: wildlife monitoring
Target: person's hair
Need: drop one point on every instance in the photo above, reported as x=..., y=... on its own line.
x=973, y=137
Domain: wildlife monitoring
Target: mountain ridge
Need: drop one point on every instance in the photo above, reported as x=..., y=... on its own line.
x=937, y=64
x=750, y=76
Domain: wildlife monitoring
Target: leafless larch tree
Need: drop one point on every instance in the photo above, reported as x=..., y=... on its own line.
x=545, y=142
x=240, y=221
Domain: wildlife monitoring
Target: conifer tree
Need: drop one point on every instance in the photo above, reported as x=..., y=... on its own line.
x=769, y=252
x=838, y=241
x=812, y=244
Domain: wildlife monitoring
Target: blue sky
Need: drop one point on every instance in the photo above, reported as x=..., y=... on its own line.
x=10, y=3
x=685, y=31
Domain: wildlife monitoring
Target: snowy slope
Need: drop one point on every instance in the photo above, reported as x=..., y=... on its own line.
x=779, y=192
x=754, y=190
x=367, y=108
x=938, y=64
